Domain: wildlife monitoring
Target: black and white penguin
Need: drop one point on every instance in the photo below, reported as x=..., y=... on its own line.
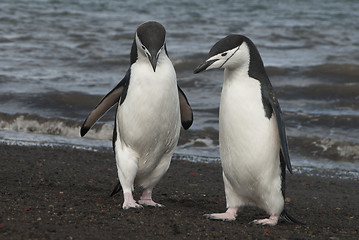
x=151, y=108
x=253, y=142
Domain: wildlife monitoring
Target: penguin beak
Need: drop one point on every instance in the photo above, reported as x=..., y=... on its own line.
x=153, y=59
x=204, y=66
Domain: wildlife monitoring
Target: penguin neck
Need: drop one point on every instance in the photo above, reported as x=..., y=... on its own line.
x=163, y=62
x=234, y=74
x=239, y=64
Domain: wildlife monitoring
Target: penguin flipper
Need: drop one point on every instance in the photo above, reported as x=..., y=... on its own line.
x=116, y=189
x=281, y=130
x=186, y=110
x=106, y=103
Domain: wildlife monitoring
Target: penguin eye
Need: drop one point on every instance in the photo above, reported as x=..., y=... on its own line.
x=223, y=54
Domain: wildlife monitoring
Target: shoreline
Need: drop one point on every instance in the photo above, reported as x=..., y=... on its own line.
x=63, y=193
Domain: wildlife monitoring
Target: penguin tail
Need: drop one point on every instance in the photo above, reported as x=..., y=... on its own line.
x=117, y=188
x=289, y=218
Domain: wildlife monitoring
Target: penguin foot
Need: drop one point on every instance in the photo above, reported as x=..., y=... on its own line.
x=146, y=199
x=150, y=203
x=220, y=216
x=229, y=215
x=130, y=202
x=271, y=221
x=135, y=205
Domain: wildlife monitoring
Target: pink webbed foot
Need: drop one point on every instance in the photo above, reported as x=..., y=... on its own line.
x=271, y=221
x=229, y=215
x=146, y=199
x=129, y=202
x=151, y=203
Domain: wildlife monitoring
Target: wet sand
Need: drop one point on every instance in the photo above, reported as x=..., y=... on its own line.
x=60, y=193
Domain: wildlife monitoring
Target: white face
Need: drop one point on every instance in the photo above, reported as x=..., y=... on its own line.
x=153, y=56
x=141, y=48
x=233, y=58
x=144, y=51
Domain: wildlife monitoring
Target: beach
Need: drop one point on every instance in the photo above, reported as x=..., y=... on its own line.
x=63, y=193
x=59, y=58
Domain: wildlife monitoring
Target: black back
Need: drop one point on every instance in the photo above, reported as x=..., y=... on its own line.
x=257, y=71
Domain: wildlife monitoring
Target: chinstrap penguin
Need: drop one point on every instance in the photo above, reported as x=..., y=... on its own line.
x=253, y=142
x=151, y=108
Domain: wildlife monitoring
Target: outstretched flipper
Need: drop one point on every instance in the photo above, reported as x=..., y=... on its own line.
x=186, y=110
x=106, y=103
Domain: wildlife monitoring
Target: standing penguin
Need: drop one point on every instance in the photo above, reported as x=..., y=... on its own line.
x=253, y=143
x=151, y=107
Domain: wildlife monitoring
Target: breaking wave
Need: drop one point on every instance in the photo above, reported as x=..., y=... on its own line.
x=34, y=124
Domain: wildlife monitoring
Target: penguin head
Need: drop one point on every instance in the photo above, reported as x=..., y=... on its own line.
x=150, y=42
x=230, y=52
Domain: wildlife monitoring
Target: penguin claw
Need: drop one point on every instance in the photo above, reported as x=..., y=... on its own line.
x=157, y=205
x=150, y=203
x=219, y=217
x=135, y=206
x=160, y=206
x=266, y=221
x=209, y=216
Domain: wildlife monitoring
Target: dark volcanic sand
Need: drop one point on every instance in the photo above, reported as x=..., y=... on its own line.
x=58, y=193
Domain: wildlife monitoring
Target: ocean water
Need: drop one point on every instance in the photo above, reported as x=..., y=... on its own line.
x=59, y=58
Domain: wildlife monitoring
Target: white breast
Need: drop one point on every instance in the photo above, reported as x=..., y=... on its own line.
x=149, y=118
x=249, y=143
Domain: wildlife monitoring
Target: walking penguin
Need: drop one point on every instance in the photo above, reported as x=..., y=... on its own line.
x=150, y=110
